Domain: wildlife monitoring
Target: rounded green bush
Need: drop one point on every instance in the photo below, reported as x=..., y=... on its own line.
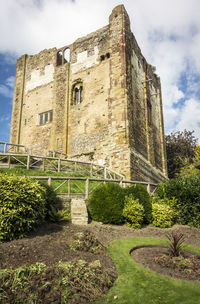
x=162, y=215
x=133, y=212
x=22, y=206
x=139, y=192
x=106, y=204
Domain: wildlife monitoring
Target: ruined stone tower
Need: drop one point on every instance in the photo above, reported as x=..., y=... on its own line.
x=96, y=100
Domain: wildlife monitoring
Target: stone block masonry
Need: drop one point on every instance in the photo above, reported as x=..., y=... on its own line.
x=95, y=100
x=79, y=214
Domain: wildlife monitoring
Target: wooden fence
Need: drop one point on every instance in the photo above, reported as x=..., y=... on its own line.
x=8, y=147
x=28, y=161
x=84, y=188
x=98, y=174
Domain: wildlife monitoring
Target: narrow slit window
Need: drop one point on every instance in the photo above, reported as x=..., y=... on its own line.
x=149, y=112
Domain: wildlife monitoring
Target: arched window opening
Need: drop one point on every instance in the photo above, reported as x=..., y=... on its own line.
x=108, y=55
x=67, y=55
x=77, y=93
x=59, y=58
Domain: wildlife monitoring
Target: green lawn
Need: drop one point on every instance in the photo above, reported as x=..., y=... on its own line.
x=137, y=285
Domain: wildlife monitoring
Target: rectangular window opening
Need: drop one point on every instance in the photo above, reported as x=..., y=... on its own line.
x=45, y=117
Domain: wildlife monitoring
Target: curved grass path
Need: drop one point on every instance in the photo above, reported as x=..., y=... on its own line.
x=137, y=285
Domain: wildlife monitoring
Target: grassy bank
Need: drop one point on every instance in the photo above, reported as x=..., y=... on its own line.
x=76, y=186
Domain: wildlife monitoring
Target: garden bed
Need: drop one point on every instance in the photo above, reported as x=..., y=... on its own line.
x=157, y=258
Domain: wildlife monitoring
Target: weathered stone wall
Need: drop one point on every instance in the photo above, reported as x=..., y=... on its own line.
x=60, y=108
x=36, y=97
x=18, y=100
x=88, y=121
x=111, y=124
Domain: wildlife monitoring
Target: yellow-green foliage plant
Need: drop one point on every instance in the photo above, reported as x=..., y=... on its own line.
x=191, y=168
x=163, y=215
x=133, y=212
x=22, y=206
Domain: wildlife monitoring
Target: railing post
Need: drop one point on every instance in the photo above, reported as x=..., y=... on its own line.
x=49, y=181
x=75, y=166
x=8, y=161
x=59, y=165
x=105, y=172
x=5, y=146
x=148, y=188
x=121, y=184
x=91, y=169
x=43, y=164
x=87, y=188
x=28, y=162
x=69, y=187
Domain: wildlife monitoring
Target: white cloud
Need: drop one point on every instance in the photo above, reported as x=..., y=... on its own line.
x=7, y=89
x=168, y=33
x=10, y=82
x=190, y=116
x=4, y=118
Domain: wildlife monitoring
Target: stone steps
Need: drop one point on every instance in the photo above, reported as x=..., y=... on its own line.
x=79, y=214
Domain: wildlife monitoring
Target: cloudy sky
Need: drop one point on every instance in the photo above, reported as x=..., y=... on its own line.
x=168, y=33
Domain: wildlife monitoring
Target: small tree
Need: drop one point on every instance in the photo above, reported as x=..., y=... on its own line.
x=191, y=168
x=179, y=145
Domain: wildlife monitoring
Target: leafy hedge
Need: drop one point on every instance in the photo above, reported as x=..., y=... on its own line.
x=106, y=204
x=187, y=192
x=22, y=206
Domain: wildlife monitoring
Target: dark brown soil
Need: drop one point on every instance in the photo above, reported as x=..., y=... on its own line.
x=51, y=244
x=159, y=260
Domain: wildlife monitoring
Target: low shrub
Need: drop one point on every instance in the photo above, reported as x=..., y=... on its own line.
x=187, y=192
x=162, y=215
x=53, y=204
x=22, y=206
x=106, y=204
x=139, y=192
x=133, y=212
x=172, y=203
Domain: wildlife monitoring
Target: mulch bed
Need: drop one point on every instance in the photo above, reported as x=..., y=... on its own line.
x=49, y=245
x=157, y=259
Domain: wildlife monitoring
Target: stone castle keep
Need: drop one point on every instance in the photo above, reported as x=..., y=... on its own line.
x=95, y=100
